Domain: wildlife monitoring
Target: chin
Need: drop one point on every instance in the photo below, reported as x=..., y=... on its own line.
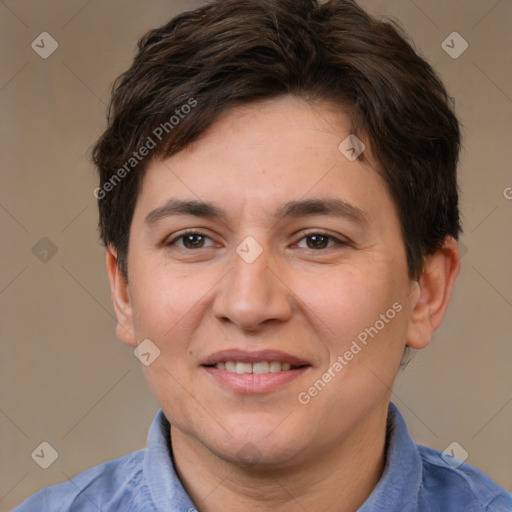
x=255, y=444
x=257, y=455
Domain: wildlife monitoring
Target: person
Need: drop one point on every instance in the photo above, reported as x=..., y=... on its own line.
x=279, y=205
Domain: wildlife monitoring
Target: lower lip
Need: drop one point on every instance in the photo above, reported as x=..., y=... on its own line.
x=250, y=383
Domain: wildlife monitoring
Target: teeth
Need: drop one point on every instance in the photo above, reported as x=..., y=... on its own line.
x=275, y=366
x=243, y=367
x=259, y=368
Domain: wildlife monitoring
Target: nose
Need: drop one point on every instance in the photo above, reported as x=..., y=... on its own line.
x=252, y=295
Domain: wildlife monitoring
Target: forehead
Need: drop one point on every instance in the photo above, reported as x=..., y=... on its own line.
x=283, y=123
x=264, y=154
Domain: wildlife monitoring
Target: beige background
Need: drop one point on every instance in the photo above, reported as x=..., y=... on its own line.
x=65, y=378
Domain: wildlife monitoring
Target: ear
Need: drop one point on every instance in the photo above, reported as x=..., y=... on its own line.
x=120, y=292
x=432, y=294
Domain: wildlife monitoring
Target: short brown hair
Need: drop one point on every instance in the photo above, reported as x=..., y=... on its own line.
x=230, y=52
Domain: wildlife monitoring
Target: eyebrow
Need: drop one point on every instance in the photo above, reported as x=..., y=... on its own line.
x=301, y=208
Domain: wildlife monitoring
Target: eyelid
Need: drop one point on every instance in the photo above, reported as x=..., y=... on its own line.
x=340, y=240
x=190, y=231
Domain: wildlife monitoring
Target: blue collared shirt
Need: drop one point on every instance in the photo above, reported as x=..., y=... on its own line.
x=415, y=478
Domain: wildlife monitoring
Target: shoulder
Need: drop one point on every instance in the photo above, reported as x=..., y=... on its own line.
x=459, y=487
x=118, y=484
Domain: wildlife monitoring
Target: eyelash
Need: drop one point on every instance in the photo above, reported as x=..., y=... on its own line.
x=305, y=235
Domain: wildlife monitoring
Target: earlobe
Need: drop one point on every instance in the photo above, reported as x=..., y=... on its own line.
x=431, y=300
x=119, y=290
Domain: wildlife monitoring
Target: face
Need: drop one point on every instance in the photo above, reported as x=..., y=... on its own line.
x=297, y=259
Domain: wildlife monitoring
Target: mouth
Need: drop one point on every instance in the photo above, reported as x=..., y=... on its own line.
x=258, y=368
x=254, y=372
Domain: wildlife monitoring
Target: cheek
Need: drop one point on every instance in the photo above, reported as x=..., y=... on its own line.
x=353, y=296
x=353, y=305
x=166, y=309
x=161, y=302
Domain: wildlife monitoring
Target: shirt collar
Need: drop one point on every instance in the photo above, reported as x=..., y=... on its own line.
x=164, y=485
x=397, y=489
x=399, y=485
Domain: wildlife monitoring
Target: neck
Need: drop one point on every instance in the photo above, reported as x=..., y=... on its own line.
x=340, y=478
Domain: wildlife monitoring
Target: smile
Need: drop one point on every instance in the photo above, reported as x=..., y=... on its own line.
x=259, y=368
x=254, y=372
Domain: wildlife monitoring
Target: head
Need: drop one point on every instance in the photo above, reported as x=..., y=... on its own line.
x=232, y=123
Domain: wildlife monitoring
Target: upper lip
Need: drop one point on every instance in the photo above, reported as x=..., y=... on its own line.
x=253, y=357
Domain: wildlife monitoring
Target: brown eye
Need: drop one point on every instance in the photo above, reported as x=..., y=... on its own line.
x=193, y=241
x=321, y=241
x=317, y=241
x=190, y=240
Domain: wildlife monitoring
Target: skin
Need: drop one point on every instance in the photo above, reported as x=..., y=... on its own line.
x=304, y=299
